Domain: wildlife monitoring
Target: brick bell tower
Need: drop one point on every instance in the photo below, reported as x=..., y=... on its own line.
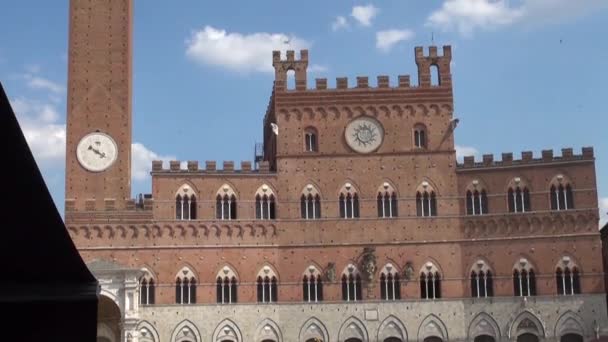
x=98, y=151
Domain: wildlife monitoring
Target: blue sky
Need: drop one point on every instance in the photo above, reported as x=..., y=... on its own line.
x=528, y=74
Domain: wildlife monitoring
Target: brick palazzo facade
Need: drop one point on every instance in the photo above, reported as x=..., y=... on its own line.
x=357, y=224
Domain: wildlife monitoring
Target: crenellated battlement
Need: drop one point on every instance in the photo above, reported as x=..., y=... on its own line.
x=424, y=62
x=211, y=167
x=527, y=158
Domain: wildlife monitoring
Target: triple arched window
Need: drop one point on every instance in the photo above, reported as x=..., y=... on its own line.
x=430, y=281
x=225, y=203
x=476, y=199
x=524, y=279
x=518, y=196
x=349, y=202
x=481, y=280
x=267, y=286
x=567, y=277
x=185, y=203
x=310, y=203
x=185, y=287
x=426, y=200
x=264, y=203
x=351, y=284
x=226, y=286
x=561, y=194
x=147, y=288
x=390, y=286
x=312, y=285
x=387, y=201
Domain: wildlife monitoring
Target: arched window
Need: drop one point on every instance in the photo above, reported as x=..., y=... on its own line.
x=310, y=203
x=226, y=286
x=420, y=136
x=561, y=194
x=264, y=203
x=267, y=285
x=477, y=199
x=524, y=279
x=349, y=202
x=312, y=285
x=426, y=201
x=225, y=203
x=185, y=287
x=185, y=203
x=310, y=140
x=518, y=197
x=481, y=280
x=567, y=277
x=146, y=288
x=390, y=286
x=430, y=281
x=387, y=201
x=351, y=284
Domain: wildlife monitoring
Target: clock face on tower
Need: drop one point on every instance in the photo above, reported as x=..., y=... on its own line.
x=96, y=151
x=364, y=134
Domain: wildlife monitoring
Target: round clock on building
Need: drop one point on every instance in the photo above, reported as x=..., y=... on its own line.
x=364, y=134
x=96, y=151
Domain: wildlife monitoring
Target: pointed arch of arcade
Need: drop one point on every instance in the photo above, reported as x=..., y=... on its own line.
x=147, y=332
x=483, y=325
x=569, y=323
x=227, y=330
x=353, y=328
x=526, y=323
x=313, y=328
x=178, y=333
x=392, y=327
x=432, y=326
x=268, y=330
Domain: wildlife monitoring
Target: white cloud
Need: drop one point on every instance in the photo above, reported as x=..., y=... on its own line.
x=365, y=14
x=45, y=136
x=385, y=40
x=464, y=151
x=466, y=16
x=317, y=68
x=603, y=211
x=36, y=82
x=141, y=161
x=339, y=23
x=237, y=51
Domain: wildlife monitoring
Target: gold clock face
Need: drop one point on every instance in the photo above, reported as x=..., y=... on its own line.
x=96, y=151
x=364, y=134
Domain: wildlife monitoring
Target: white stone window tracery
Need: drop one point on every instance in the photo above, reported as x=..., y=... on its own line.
x=524, y=278
x=185, y=287
x=267, y=285
x=420, y=136
x=226, y=204
x=227, y=286
x=426, y=200
x=387, y=201
x=264, y=203
x=430, y=281
x=567, y=277
x=147, y=287
x=518, y=196
x=390, y=284
x=310, y=203
x=482, y=280
x=310, y=140
x=185, y=203
x=312, y=285
x=561, y=193
x=351, y=284
x=349, y=202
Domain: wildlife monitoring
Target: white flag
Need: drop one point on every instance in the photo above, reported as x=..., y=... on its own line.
x=275, y=128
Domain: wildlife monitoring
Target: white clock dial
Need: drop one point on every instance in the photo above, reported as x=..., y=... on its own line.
x=364, y=134
x=96, y=151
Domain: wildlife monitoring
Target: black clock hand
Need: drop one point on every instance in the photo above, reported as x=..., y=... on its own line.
x=96, y=151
